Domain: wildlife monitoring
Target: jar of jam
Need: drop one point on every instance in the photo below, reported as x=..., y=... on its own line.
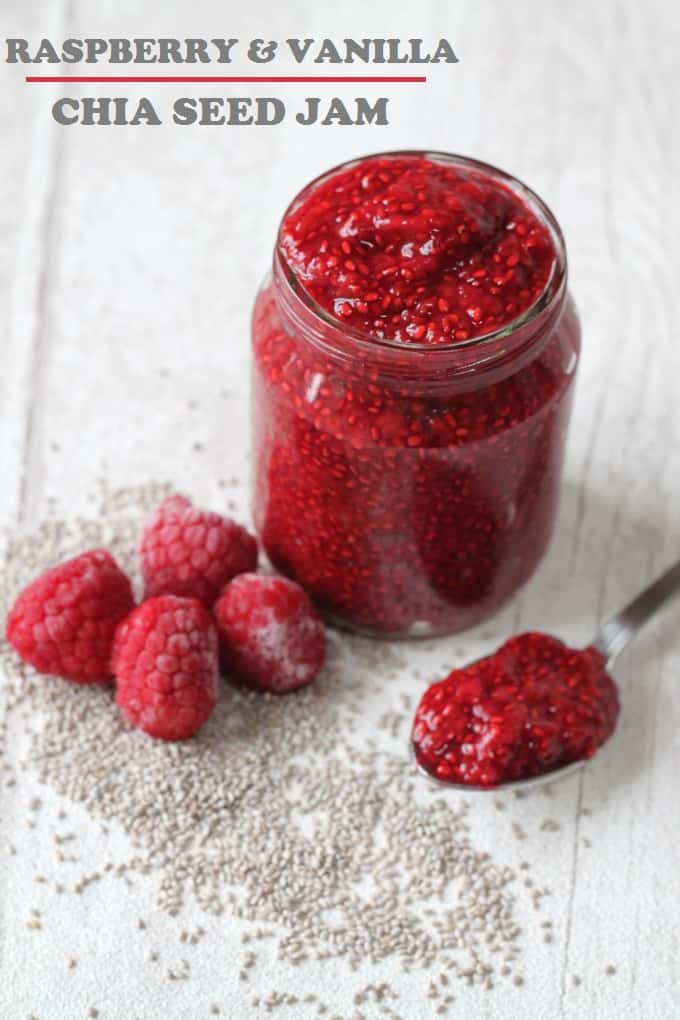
x=414, y=357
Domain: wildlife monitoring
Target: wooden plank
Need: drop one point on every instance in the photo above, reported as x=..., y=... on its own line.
x=28, y=181
x=128, y=263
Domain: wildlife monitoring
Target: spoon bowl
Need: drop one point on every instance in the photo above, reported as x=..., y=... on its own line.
x=530, y=783
x=612, y=638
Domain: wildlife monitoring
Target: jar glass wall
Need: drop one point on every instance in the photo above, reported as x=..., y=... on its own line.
x=411, y=488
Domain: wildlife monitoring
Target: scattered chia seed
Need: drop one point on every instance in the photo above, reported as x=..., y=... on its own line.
x=550, y=825
x=326, y=844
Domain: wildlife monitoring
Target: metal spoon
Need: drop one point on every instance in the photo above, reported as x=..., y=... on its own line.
x=612, y=638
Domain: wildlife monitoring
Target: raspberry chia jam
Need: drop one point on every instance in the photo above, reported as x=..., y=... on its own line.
x=414, y=354
x=531, y=707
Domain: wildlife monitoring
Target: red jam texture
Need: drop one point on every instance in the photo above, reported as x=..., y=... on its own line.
x=534, y=705
x=409, y=249
x=407, y=498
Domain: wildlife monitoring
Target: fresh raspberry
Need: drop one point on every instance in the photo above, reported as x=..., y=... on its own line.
x=63, y=623
x=191, y=552
x=271, y=635
x=166, y=666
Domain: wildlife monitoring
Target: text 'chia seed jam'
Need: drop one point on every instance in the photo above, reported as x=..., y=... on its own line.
x=414, y=353
x=533, y=706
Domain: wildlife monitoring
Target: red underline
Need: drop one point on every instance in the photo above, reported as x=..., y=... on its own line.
x=240, y=79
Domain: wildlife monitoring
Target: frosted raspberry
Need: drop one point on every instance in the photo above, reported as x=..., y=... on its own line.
x=271, y=635
x=165, y=661
x=191, y=552
x=64, y=622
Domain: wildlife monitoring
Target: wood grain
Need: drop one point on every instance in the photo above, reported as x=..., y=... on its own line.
x=128, y=261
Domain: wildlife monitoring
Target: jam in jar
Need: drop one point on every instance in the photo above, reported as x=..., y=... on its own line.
x=414, y=356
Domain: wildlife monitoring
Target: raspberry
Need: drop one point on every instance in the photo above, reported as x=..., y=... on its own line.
x=165, y=661
x=271, y=635
x=191, y=552
x=63, y=623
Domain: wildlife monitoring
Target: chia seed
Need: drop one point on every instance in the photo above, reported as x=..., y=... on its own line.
x=270, y=814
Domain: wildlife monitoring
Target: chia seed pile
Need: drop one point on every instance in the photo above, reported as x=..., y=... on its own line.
x=281, y=812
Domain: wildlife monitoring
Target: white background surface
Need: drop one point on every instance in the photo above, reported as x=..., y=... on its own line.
x=124, y=251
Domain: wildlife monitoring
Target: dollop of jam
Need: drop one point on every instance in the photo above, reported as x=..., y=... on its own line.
x=534, y=705
x=417, y=251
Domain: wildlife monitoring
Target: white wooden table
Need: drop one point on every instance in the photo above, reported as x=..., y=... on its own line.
x=128, y=261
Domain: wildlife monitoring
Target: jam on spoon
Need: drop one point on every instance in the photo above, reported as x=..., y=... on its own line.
x=533, y=710
x=532, y=706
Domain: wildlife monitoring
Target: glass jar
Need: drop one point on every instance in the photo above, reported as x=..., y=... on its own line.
x=410, y=489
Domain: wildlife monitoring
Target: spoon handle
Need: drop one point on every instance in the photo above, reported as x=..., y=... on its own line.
x=615, y=634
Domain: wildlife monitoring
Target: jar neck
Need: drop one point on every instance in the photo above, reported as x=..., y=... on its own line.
x=462, y=366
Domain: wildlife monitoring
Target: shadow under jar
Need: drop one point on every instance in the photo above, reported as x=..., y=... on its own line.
x=414, y=354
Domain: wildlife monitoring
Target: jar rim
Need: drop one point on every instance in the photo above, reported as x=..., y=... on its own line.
x=554, y=286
